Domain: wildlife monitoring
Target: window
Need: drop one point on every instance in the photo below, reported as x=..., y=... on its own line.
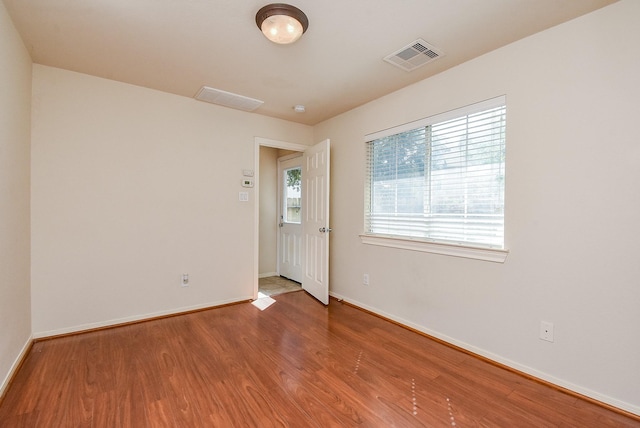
x=440, y=179
x=292, y=197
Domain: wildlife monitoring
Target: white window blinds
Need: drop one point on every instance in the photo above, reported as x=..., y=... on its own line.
x=440, y=179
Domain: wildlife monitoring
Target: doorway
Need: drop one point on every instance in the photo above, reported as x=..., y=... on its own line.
x=314, y=190
x=280, y=234
x=266, y=270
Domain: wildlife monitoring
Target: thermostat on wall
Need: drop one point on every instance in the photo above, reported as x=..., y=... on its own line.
x=247, y=182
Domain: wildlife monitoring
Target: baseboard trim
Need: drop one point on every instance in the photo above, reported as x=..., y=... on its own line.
x=15, y=368
x=86, y=328
x=625, y=409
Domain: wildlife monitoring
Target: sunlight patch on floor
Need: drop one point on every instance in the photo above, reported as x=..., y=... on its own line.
x=263, y=301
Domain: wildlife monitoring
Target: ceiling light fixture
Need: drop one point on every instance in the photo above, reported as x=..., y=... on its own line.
x=282, y=23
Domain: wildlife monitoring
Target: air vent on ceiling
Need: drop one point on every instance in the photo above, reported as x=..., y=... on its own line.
x=227, y=99
x=414, y=55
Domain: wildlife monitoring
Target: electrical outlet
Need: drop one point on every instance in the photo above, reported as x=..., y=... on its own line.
x=365, y=279
x=546, y=331
x=185, y=280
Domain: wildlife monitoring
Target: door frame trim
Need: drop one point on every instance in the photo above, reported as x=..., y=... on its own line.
x=267, y=142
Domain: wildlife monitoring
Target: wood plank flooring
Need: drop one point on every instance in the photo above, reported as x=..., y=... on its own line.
x=295, y=364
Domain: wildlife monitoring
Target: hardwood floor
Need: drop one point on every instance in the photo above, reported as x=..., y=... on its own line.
x=296, y=364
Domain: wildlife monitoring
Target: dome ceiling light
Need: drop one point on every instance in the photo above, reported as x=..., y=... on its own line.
x=282, y=23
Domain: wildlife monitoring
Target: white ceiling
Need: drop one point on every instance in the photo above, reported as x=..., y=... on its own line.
x=177, y=46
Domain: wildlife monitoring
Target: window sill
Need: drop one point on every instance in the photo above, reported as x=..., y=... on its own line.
x=477, y=253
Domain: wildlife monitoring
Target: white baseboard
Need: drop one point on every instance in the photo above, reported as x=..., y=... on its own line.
x=16, y=364
x=135, y=318
x=498, y=359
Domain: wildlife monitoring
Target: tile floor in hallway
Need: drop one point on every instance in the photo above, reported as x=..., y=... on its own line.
x=273, y=285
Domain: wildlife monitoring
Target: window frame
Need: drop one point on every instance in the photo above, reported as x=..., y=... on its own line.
x=429, y=245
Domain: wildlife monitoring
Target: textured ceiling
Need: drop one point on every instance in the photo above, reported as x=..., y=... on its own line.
x=177, y=46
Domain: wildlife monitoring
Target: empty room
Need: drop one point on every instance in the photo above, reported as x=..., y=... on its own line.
x=363, y=213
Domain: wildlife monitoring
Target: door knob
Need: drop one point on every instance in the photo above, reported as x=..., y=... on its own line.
x=325, y=229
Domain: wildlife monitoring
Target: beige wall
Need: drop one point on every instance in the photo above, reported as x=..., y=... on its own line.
x=268, y=211
x=572, y=210
x=15, y=112
x=131, y=188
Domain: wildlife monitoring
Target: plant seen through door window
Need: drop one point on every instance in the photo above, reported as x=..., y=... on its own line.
x=292, y=198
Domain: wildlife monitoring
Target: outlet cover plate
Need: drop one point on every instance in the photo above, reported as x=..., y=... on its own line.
x=546, y=331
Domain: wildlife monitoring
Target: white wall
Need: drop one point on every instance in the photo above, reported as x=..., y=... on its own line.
x=131, y=188
x=15, y=113
x=268, y=259
x=572, y=201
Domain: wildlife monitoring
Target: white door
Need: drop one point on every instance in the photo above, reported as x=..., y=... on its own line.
x=315, y=223
x=290, y=219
